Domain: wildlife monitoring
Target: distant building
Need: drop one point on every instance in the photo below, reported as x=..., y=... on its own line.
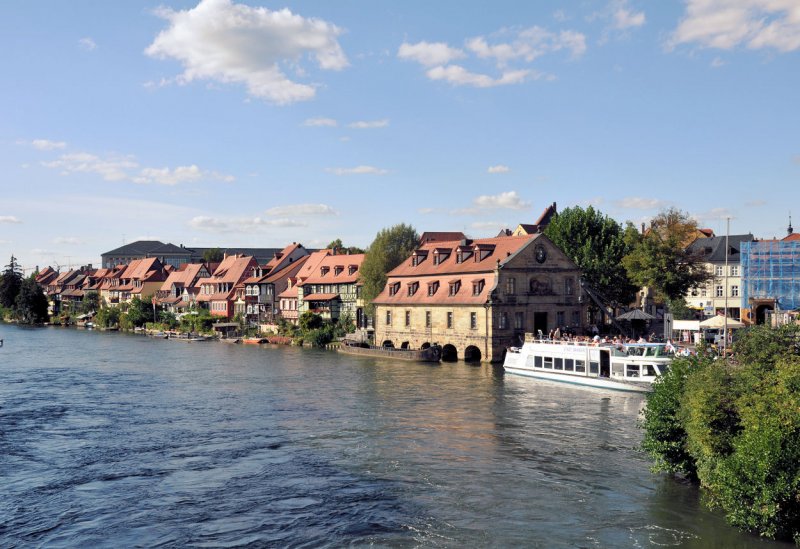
x=170, y=254
x=770, y=277
x=540, y=225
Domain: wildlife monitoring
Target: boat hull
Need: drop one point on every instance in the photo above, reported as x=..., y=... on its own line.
x=585, y=381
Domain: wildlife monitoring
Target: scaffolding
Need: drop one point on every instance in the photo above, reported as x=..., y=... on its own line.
x=771, y=271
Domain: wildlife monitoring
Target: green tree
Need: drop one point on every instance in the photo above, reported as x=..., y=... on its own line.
x=213, y=255
x=90, y=302
x=662, y=260
x=107, y=317
x=30, y=306
x=597, y=244
x=10, y=283
x=337, y=245
x=140, y=312
x=390, y=247
x=309, y=321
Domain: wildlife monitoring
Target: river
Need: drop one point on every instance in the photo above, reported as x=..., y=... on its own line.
x=114, y=440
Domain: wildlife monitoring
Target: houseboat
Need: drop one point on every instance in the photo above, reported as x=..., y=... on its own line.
x=623, y=367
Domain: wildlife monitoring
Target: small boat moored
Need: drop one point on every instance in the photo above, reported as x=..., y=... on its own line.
x=623, y=367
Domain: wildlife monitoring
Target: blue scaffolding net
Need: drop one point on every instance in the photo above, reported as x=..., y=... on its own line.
x=771, y=270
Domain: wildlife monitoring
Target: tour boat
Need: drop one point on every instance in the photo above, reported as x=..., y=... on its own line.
x=623, y=367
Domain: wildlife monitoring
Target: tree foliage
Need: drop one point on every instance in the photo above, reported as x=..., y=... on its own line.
x=341, y=248
x=661, y=258
x=735, y=427
x=30, y=306
x=213, y=255
x=597, y=244
x=140, y=311
x=10, y=283
x=390, y=247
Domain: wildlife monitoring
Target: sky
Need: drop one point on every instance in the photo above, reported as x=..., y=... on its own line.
x=256, y=123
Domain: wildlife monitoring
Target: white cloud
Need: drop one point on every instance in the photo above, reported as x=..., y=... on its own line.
x=301, y=209
x=507, y=47
x=358, y=170
x=459, y=76
x=46, y=144
x=369, y=124
x=320, y=122
x=712, y=215
x=240, y=224
x=717, y=62
x=112, y=168
x=508, y=200
x=639, y=203
x=625, y=19
x=429, y=53
x=126, y=168
x=87, y=44
x=9, y=219
x=488, y=225
x=235, y=43
x=728, y=24
x=499, y=168
x=69, y=240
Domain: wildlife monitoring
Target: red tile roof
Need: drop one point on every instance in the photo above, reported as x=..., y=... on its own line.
x=320, y=297
x=332, y=269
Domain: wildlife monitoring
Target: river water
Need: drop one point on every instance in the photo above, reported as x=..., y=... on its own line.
x=116, y=440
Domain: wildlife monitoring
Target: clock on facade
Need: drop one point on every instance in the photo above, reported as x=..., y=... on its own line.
x=541, y=254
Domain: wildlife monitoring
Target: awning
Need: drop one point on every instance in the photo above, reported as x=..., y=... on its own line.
x=320, y=297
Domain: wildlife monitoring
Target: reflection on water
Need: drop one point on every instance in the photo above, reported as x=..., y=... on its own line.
x=108, y=439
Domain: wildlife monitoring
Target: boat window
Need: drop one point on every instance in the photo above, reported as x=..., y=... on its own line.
x=632, y=370
x=529, y=361
x=548, y=362
x=649, y=370
x=558, y=364
x=594, y=367
x=537, y=362
x=569, y=364
x=663, y=368
x=617, y=369
x=580, y=366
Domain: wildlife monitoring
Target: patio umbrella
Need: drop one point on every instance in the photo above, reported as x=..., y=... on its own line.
x=719, y=322
x=635, y=314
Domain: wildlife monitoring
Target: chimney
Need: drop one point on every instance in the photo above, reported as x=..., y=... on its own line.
x=642, y=227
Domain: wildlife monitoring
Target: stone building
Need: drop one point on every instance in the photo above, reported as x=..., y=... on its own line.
x=475, y=298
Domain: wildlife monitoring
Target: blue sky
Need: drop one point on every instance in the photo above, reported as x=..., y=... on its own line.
x=227, y=123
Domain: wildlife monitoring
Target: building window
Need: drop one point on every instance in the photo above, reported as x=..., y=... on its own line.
x=433, y=287
x=503, y=320
x=567, y=286
x=449, y=319
x=734, y=270
x=454, y=287
x=511, y=286
x=718, y=270
x=734, y=291
x=473, y=321
x=719, y=292
x=412, y=288
x=477, y=287
x=388, y=318
x=559, y=318
x=519, y=320
x=703, y=292
x=427, y=319
x=408, y=319
x=393, y=288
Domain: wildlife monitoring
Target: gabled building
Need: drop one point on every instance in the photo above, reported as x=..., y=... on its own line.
x=141, y=278
x=725, y=288
x=328, y=286
x=475, y=298
x=262, y=302
x=179, y=291
x=539, y=226
x=218, y=291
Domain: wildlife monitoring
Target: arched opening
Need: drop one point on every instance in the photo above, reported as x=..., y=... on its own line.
x=425, y=345
x=388, y=344
x=761, y=313
x=404, y=345
x=449, y=353
x=472, y=354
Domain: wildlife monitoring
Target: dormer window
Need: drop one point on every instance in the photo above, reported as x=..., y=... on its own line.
x=433, y=287
x=440, y=255
x=412, y=288
x=324, y=270
x=394, y=288
x=455, y=286
x=482, y=251
x=477, y=287
x=463, y=254
x=418, y=257
x=337, y=270
x=351, y=269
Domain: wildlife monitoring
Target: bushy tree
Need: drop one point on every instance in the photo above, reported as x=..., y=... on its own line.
x=90, y=302
x=10, y=283
x=597, y=244
x=140, y=312
x=213, y=255
x=661, y=258
x=390, y=247
x=309, y=321
x=107, y=317
x=30, y=306
x=337, y=245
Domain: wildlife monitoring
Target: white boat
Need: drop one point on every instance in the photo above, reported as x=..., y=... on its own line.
x=622, y=367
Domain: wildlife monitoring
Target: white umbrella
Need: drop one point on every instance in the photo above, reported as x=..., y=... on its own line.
x=719, y=322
